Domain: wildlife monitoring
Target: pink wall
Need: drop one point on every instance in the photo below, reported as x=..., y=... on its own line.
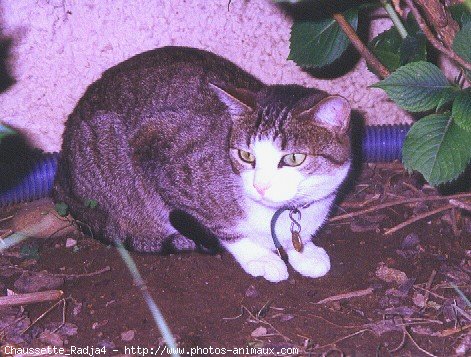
x=61, y=46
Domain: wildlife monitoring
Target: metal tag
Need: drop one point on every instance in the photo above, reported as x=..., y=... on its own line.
x=297, y=242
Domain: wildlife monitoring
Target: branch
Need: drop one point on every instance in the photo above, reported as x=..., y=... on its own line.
x=444, y=25
x=30, y=298
x=374, y=63
x=430, y=36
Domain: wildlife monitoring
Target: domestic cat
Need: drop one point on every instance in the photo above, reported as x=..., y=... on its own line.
x=181, y=132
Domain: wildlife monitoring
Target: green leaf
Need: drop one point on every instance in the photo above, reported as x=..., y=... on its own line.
x=417, y=86
x=448, y=95
x=62, y=209
x=461, y=13
x=5, y=131
x=393, y=51
x=461, y=110
x=413, y=49
x=318, y=43
x=386, y=47
x=91, y=203
x=462, y=42
x=30, y=251
x=437, y=148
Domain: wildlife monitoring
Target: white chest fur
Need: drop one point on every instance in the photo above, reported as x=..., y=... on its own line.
x=256, y=225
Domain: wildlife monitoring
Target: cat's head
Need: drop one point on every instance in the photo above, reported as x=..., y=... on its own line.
x=289, y=144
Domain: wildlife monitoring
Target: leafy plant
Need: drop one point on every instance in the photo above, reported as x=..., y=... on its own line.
x=90, y=203
x=439, y=144
x=5, y=131
x=62, y=209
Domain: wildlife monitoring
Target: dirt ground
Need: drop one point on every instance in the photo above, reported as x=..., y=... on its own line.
x=399, y=292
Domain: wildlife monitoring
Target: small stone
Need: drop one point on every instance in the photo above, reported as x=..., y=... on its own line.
x=286, y=317
x=97, y=325
x=77, y=308
x=70, y=242
x=259, y=332
x=419, y=300
x=128, y=335
x=410, y=241
x=107, y=344
x=252, y=292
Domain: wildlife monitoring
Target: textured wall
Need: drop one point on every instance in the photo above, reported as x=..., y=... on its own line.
x=61, y=46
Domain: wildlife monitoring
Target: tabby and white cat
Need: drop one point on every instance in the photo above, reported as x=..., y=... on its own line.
x=178, y=145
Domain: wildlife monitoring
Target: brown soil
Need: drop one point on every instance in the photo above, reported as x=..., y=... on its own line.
x=208, y=301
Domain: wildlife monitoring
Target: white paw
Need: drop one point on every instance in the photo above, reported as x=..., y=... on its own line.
x=271, y=267
x=312, y=262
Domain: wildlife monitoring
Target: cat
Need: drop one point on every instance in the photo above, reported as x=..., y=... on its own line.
x=179, y=140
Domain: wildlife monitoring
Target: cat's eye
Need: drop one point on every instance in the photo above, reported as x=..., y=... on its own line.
x=292, y=160
x=246, y=156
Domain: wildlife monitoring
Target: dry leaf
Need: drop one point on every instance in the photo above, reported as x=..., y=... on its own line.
x=391, y=275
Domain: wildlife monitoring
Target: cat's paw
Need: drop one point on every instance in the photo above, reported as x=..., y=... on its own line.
x=312, y=262
x=271, y=267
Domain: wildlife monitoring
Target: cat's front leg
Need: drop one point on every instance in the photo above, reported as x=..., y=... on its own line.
x=312, y=261
x=257, y=260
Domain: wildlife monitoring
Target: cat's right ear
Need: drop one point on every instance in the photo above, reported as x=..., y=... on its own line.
x=239, y=101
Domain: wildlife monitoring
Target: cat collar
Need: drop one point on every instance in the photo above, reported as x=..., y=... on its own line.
x=295, y=230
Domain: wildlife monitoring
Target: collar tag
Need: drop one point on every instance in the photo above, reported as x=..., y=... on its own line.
x=295, y=230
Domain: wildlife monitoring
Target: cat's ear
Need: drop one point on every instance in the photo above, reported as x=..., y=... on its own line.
x=332, y=112
x=239, y=101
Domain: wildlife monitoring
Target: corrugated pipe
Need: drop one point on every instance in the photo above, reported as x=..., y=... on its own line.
x=381, y=143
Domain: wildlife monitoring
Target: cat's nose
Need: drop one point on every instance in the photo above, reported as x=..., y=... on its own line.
x=261, y=187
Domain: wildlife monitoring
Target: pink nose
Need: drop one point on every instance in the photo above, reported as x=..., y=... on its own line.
x=261, y=187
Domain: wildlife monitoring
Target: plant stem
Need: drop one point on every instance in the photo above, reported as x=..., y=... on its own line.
x=430, y=36
x=380, y=69
x=443, y=25
x=395, y=18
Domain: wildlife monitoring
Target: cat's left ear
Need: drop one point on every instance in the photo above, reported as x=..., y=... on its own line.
x=239, y=101
x=332, y=112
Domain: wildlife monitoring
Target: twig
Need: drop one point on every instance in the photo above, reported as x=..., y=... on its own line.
x=93, y=273
x=462, y=312
x=349, y=295
x=30, y=298
x=401, y=344
x=451, y=331
x=417, y=218
x=6, y=219
x=263, y=321
x=334, y=324
x=44, y=314
x=430, y=292
x=6, y=234
x=417, y=345
x=396, y=203
x=460, y=204
x=343, y=338
x=66, y=276
x=428, y=286
x=381, y=70
x=437, y=44
x=461, y=294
